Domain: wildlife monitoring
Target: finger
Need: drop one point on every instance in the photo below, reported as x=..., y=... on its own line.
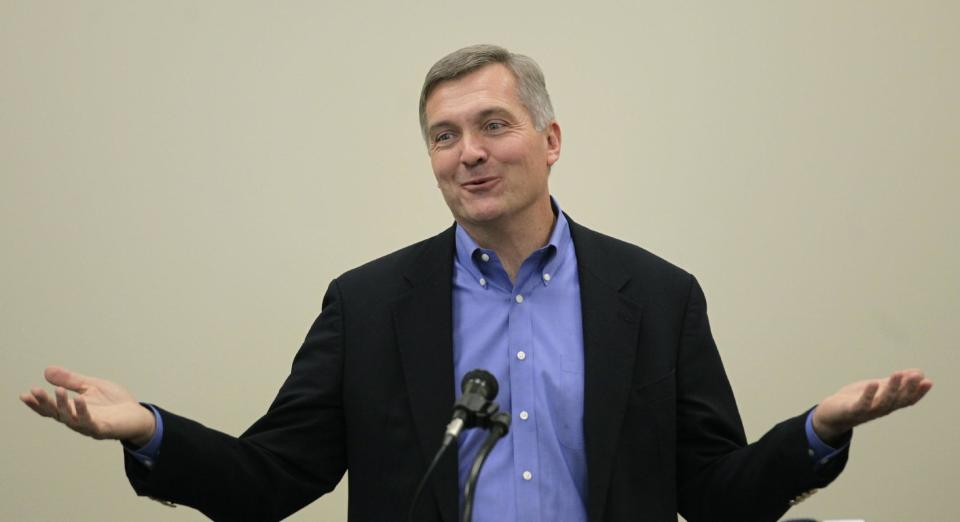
x=911, y=381
x=922, y=389
x=46, y=406
x=865, y=402
x=64, y=407
x=73, y=381
x=81, y=405
x=83, y=413
x=888, y=396
x=909, y=391
x=32, y=403
x=86, y=424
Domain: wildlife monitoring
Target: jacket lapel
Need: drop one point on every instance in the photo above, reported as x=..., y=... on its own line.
x=424, y=325
x=611, y=324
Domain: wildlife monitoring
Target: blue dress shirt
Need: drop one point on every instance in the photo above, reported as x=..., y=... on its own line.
x=529, y=335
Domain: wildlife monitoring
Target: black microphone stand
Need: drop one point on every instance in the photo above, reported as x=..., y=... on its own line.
x=499, y=425
x=474, y=408
x=484, y=418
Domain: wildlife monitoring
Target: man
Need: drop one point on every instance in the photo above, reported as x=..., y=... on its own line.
x=621, y=407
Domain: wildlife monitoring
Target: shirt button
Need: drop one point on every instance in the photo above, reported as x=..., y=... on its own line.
x=519, y=298
x=485, y=257
x=524, y=415
x=546, y=277
x=521, y=355
x=527, y=475
x=483, y=282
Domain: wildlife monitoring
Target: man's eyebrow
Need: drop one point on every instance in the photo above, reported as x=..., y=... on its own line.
x=444, y=124
x=493, y=111
x=482, y=115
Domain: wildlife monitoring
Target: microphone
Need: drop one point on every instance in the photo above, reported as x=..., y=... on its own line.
x=475, y=407
x=479, y=389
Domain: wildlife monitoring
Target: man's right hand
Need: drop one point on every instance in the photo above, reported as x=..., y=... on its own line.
x=100, y=409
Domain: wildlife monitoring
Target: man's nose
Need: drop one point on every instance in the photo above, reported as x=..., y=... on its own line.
x=474, y=150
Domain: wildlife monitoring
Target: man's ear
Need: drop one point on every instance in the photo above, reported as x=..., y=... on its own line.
x=552, y=133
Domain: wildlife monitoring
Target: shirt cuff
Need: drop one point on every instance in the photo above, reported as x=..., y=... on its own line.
x=820, y=451
x=148, y=454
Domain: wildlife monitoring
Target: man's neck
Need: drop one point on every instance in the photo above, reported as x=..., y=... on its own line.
x=515, y=237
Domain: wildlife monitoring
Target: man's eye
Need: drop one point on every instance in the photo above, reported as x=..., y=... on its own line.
x=495, y=125
x=443, y=136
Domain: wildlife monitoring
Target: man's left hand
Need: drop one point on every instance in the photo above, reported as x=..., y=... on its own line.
x=863, y=401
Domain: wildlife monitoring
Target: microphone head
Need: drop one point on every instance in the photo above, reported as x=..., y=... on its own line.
x=482, y=382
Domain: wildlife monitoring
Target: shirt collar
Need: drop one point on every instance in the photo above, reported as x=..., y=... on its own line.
x=553, y=253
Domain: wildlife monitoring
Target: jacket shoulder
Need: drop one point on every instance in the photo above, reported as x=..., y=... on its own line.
x=603, y=252
x=637, y=256
x=398, y=270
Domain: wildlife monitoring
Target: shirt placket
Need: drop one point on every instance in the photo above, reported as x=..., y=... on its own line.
x=525, y=446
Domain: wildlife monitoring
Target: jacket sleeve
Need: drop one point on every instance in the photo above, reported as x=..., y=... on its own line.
x=721, y=477
x=289, y=457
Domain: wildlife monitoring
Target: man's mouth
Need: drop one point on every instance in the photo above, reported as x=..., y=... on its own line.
x=481, y=184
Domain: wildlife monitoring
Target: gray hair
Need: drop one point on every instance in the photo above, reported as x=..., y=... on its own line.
x=531, y=86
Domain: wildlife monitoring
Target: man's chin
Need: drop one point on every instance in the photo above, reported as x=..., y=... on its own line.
x=480, y=216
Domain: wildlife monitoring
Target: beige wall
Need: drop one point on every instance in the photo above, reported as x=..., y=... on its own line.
x=179, y=181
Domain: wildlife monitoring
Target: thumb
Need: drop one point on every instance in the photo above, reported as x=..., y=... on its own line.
x=60, y=376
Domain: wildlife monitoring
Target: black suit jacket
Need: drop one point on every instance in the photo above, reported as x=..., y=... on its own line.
x=372, y=386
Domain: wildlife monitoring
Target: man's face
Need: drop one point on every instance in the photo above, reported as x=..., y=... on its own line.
x=490, y=162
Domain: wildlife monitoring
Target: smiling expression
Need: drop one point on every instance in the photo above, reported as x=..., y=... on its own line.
x=490, y=162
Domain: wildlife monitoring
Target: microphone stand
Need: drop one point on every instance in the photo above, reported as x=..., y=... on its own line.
x=476, y=416
x=499, y=425
x=475, y=407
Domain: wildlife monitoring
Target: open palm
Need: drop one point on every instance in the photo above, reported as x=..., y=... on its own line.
x=100, y=409
x=864, y=401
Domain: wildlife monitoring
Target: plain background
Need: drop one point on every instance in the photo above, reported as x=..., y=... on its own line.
x=179, y=181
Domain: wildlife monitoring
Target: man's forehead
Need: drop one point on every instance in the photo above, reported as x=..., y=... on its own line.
x=491, y=87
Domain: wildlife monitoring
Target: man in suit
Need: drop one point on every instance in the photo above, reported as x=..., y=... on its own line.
x=621, y=407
